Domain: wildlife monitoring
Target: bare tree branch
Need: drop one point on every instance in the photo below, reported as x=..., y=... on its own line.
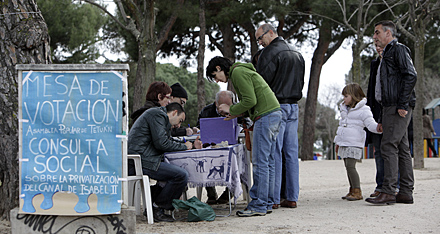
x=215, y=42
x=163, y=35
x=131, y=27
x=333, y=49
x=399, y=19
x=137, y=13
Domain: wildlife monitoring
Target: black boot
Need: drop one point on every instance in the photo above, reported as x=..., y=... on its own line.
x=212, y=195
x=224, y=198
x=160, y=216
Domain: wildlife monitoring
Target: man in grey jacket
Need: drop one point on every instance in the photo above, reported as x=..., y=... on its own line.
x=150, y=137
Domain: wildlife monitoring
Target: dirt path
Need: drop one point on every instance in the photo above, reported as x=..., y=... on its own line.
x=321, y=209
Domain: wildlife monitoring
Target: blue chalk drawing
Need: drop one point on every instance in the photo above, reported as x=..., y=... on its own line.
x=69, y=128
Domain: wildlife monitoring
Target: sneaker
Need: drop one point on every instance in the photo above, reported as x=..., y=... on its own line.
x=249, y=213
x=160, y=216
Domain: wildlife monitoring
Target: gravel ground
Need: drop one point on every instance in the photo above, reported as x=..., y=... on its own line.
x=321, y=209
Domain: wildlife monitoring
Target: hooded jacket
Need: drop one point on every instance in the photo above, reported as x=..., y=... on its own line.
x=397, y=76
x=282, y=68
x=255, y=95
x=150, y=137
x=351, y=125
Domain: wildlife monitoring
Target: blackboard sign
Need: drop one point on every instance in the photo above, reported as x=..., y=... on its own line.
x=71, y=142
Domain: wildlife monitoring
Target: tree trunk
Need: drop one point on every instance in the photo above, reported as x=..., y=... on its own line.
x=200, y=58
x=419, y=20
x=356, y=66
x=357, y=46
x=420, y=103
x=146, y=69
x=250, y=29
x=228, y=49
x=24, y=39
x=308, y=136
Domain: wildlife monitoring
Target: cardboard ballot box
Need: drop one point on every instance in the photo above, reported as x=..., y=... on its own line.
x=216, y=130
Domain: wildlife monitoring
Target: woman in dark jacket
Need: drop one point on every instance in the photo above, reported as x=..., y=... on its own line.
x=158, y=94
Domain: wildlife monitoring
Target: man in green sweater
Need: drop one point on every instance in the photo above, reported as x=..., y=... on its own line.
x=259, y=103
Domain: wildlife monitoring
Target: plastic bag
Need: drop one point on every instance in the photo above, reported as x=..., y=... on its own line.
x=197, y=210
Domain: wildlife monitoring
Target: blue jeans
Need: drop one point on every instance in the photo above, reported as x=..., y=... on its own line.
x=175, y=177
x=376, y=139
x=287, y=142
x=263, y=147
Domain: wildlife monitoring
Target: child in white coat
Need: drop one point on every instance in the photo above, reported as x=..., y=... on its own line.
x=350, y=136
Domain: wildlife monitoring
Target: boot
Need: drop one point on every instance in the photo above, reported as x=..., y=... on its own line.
x=383, y=198
x=160, y=216
x=224, y=198
x=350, y=191
x=212, y=195
x=355, y=195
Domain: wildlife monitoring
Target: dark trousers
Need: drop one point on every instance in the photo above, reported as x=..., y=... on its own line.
x=175, y=177
x=431, y=146
x=395, y=152
x=376, y=139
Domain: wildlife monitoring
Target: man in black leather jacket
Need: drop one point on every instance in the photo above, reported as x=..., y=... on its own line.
x=394, y=89
x=282, y=67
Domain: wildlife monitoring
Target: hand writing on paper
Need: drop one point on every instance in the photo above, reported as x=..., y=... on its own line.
x=189, y=145
x=189, y=131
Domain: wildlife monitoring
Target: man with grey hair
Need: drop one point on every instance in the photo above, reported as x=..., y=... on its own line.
x=282, y=67
x=395, y=82
x=211, y=111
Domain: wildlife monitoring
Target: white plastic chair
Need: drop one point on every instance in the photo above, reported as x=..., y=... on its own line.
x=134, y=189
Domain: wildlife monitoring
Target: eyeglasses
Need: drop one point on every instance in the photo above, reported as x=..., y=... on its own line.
x=261, y=37
x=167, y=96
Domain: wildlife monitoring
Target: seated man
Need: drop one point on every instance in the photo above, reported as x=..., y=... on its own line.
x=150, y=137
x=211, y=111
